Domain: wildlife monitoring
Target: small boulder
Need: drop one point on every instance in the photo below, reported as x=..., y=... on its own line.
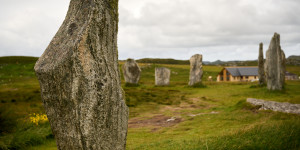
x=275, y=106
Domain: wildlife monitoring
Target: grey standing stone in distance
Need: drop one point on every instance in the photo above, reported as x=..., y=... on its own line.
x=196, y=71
x=162, y=76
x=275, y=65
x=80, y=79
x=131, y=71
x=261, y=70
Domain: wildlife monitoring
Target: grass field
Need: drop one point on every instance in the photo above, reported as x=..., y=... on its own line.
x=214, y=116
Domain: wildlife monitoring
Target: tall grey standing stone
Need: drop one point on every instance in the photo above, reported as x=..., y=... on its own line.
x=275, y=65
x=196, y=71
x=261, y=70
x=80, y=79
x=162, y=76
x=131, y=71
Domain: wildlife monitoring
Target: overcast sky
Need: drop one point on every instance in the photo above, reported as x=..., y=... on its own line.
x=218, y=29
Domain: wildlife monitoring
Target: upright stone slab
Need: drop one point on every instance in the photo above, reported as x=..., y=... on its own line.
x=275, y=65
x=261, y=70
x=162, y=76
x=131, y=71
x=80, y=79
x=196, y=71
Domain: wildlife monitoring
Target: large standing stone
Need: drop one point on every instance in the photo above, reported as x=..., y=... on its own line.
x=196, y=71
x=80, y=79
x=275, y=65
x=131, y=71
x=162, y=76
x=261, y=70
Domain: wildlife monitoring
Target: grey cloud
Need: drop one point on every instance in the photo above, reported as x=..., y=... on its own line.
x=236, y=25
x=220, y=29
x=28, y=26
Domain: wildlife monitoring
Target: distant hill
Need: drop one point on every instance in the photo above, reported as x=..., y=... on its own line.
x=241, y=63
x=218, y=62
x=233, y=63
x=293, y=60
x=294, y=57
x=162, y=61
x=18, y=60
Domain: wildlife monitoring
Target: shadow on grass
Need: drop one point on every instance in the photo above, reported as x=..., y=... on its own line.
x=132, y=85
x=198, y=85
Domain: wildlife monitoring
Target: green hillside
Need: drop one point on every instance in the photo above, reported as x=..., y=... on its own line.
x=18, y=60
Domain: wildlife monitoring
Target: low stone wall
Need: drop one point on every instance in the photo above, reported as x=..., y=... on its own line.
x=275, y=106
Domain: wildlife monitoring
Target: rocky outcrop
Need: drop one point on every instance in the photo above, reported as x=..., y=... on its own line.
x=131, y=71
x=196, y=71
x=275, y=65
x=162, y=76
x=275, y=106
x=261, y=69
x=80, y=79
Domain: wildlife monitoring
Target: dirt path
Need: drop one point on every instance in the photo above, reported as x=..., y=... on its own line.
x=159, y=120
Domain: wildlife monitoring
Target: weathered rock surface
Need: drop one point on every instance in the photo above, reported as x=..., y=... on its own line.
x=80, y=79
x=275, y=106
x=275, y=65
x=261, y=69
x=196, y=71
x=162, y=76
x=131, y=71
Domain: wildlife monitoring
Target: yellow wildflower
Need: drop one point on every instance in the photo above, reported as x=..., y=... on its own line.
x=38, y=118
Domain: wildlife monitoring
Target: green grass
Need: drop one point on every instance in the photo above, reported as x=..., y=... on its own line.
x=234, y=124
x=294, y=69
x=48, y=145
x=283, y=136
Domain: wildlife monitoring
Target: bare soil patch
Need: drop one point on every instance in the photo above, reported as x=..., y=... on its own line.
x=159, y=120
x=155, y=121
